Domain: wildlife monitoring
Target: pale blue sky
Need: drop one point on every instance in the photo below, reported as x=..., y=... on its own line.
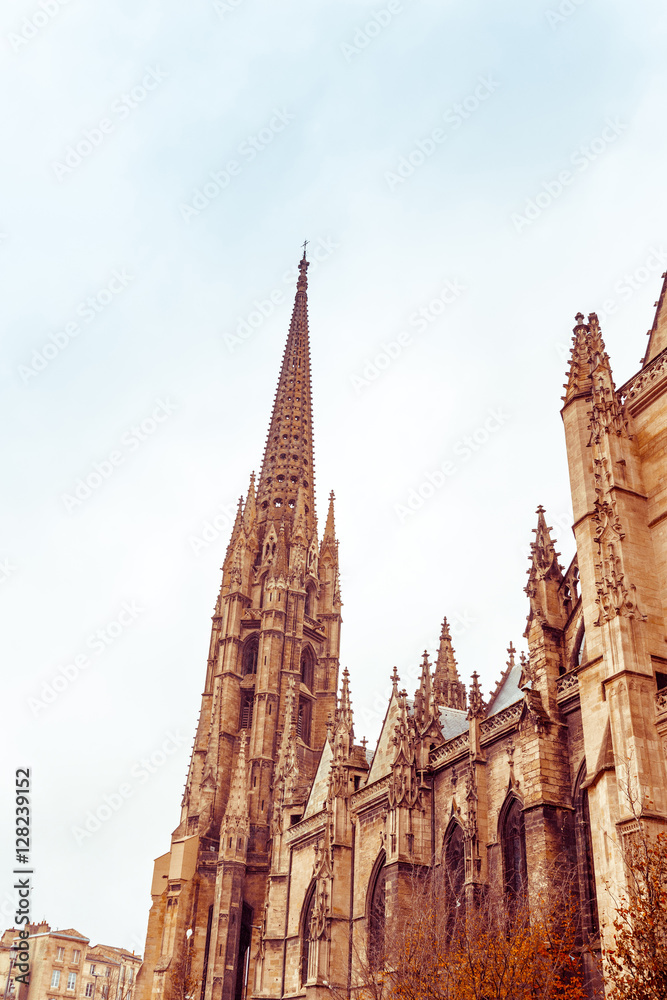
x=335, y=119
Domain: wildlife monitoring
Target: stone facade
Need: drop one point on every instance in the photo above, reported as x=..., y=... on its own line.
x=296, y=846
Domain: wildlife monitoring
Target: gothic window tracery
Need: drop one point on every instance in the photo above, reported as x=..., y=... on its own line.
x=455, y=867
x=250, y=653
x=303, y=720
x=586, y=867
x=308, y=908
x=376, y=915
x=308, y=668
x=514, y=851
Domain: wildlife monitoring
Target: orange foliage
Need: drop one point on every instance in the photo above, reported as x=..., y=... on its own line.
x=637, y=963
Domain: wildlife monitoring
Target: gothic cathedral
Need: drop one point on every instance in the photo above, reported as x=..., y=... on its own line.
x=296, y=844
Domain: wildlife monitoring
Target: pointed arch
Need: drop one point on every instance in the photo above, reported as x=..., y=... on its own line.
x=454, y=864
x=590, y=926
x=579, y=648
x=376, y=912
x=511, y=828
x=250, y=654
x=309, y=606
x=306, y=917
x=307, y=665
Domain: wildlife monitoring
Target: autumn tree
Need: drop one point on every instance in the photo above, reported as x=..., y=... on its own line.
x=636, y=963
x=183, y=985
x=492, y=949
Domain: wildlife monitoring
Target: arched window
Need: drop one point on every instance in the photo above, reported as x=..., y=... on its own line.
x=310, y=603
x=455, y=869
x=303, y=719
x=376, y=915
x=250, y=653
x=308, y=668
x=585, y=865
x=514, y=850
x=308, y=907
x=247, y=704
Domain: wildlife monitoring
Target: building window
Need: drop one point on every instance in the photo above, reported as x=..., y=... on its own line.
x=585, y=866
x=55, y=979
x=455, y=874
x=76, y=955
x=92, y=970
x=71, y=982
x=309, y=906
x=60, y=954
x=514, y=851
x=247, y=701
x=308, y=668
x=90, y=989
x=250, y=654
x=105, y=991
x=376, y=921
x=304, y=719
x=107, y=970
x=131, y=976
x=309, y=606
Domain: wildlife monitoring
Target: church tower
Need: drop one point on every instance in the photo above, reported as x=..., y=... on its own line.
x=269, y=695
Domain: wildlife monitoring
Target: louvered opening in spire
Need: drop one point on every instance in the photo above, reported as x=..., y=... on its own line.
x=288, y=455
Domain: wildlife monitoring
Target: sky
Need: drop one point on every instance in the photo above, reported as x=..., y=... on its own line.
x=469, y=175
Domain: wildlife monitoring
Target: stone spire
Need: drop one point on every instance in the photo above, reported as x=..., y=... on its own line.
x=250, y=507
x=545, y=576
x=448, y=689
x=579, y=373
x=344, y=713
x=329, y=535
x=235, y=826
x=424, y=695
x=288, y=455
x=235, y=531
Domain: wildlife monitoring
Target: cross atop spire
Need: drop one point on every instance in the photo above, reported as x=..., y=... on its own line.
x=288, y=455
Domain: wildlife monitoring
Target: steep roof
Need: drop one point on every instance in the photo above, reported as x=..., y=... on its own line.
x=507, y=690
x=453, y=722
x=385, y=749
x=658, y=332
x=318, y=791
